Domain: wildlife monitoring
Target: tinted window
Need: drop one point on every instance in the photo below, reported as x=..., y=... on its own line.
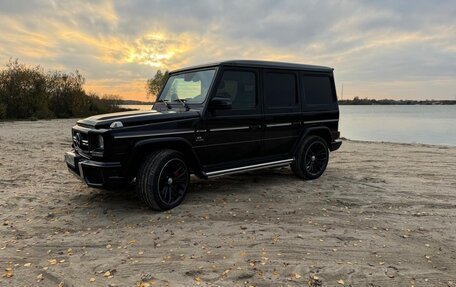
x=280, y=90
x=240, y=87
x=318, y=90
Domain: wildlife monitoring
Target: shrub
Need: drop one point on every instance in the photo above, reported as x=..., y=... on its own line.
x=29, y=92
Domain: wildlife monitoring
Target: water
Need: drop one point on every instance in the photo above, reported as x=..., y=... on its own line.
x=401, y=124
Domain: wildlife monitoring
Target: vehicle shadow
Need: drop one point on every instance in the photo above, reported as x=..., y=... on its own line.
x=200, y=190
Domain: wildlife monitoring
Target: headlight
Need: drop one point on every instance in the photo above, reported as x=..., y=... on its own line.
x=100, y=142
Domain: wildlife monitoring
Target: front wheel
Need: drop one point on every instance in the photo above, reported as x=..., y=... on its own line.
x=163, y=180
x=311, y=159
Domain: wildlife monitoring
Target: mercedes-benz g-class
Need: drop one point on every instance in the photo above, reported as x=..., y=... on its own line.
x=213, y=120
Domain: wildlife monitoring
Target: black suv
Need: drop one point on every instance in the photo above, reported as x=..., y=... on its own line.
x=213, y=120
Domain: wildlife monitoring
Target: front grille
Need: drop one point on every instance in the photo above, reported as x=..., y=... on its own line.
x=81, y=141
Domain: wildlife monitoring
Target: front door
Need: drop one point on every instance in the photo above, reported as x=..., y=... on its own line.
x=234, y=135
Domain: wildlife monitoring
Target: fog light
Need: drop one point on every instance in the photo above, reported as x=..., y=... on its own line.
x=100, y=142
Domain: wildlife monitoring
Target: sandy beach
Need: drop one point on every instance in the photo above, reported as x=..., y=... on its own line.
x=383, y=214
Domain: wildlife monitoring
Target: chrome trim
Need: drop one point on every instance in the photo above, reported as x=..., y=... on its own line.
x=249, y=167
x=229, y=129
x=85, y=142
x=100, y=163
x=278, y=125
x=153, y=134
x=321, y=121
x=97, y=153
x=201, y=131
x=81, y=172
x=82, y=153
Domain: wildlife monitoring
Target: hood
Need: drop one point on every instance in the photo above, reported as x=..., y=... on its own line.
x=134, y=118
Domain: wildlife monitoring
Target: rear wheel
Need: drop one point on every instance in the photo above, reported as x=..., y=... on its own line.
x=163, y=180
x=312, y=158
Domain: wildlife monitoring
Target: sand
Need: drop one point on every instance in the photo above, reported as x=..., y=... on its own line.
x=383, y=214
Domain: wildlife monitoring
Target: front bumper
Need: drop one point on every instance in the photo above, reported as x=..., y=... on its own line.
x=95, y=173
x=335, y=145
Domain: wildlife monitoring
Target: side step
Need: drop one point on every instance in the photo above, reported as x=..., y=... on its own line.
x=248, y=168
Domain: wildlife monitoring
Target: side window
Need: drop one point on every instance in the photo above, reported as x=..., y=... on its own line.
x=240, y=87
x=318, y=90
x=280, y=90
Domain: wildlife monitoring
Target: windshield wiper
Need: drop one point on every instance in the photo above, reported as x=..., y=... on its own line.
x=183, y=102
x=168, y=105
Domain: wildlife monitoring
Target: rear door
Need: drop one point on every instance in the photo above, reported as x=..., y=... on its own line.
x=319, y=100
x=282, y=112
x=234, y=135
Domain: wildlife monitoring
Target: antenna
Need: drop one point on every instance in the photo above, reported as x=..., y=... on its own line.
x=342, y=93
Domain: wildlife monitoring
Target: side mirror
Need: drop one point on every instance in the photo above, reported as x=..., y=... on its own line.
x=218, y=103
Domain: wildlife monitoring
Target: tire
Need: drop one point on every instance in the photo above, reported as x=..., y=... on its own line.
x=163, y=179
x=312, y=158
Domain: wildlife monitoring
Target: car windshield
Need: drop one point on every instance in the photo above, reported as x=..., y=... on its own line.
x=191, y=87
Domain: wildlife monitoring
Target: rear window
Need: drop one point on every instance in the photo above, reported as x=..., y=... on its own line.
x=280, y=90
x=318, y=90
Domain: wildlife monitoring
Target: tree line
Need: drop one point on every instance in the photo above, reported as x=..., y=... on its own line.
x=28, y=92
x=366, y=101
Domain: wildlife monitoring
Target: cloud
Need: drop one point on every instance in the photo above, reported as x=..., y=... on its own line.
x=403, y=49
x=129, y=89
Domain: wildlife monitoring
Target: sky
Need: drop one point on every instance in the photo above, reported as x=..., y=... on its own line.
x=379, y=49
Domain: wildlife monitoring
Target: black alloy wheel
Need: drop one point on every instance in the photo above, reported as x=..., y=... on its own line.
x=316, y=158
x=311, y=159
x=163, y=179
x=173, y=181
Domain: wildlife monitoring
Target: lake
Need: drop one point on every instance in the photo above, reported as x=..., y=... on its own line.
x=402, y=124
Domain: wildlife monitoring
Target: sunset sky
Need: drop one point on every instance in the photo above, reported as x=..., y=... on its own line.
x=379, y=49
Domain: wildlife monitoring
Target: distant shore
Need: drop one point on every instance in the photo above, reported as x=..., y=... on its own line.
x=366, y=101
